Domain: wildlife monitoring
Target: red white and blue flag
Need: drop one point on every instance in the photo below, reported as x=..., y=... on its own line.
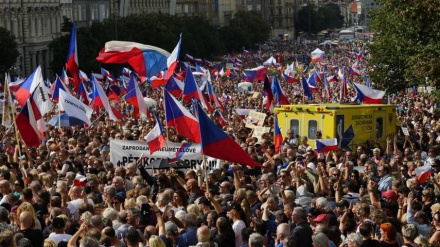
x=59, y=85
x=135, y=98
x=27, y=87
x=180, y=118
x=212, y=137
x=72, y=59
x=326, y=145
x=99, y=98
x=279, y=95
x=26, y=121
x=173, y=59
x=278, y=137
x=368, y=95
x=155, y=138
x=256, y=74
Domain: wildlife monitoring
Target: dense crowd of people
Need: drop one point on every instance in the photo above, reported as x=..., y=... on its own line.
x=370, y=196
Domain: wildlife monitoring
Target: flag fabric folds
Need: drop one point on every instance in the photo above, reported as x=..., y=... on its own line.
x=72, y=58
x=27, y=124
x=326, y=145
x=135, y=98
x=180, y=118
x=173, y=59
x=174, y=86
x=368, y=95
x=74, y=107
x=278, y=138
x=217, y=144
x=280, y=97
x=191, y=90
x=256, y=74
x=306, y=89
x=27, y=87
x=146, y=60
x=423, y=173
x=155, y=138
x=59, y=86
x=100, y=99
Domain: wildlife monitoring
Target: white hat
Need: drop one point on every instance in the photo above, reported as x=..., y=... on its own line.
x=312, y=166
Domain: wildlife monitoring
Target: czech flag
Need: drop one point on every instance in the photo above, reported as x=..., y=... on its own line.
x=179, y=117
x=267, y=95
x=256, y=74
x=368, y=95
x=312, y=84
x=146, y=60
x=100, y=99
x=326, y=145
x=212, y=94
x=27, y=87
x=135, y=98
x=72, y=59
x=27, y=123
x=175, y=86
x=217, y=144
x=423, y=173
x=191, y=90
x=155, y=138
x=290, y=79
x=306, y=89
x=222, y=120
x=278, y=138
x=113, y=92
x=59, y=85
x=173, y=59
x=280, y=97
x=83, y=94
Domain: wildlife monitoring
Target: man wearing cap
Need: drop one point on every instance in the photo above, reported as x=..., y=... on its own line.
x=390, y=201
x=234, y=214
x=204, y=205
x=322, y=219
x=58, y=234
x=349, y=190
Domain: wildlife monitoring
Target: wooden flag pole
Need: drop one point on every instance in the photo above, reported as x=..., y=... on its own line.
x=205, y=164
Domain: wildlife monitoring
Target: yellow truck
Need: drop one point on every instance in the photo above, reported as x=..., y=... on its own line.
x=349, y=123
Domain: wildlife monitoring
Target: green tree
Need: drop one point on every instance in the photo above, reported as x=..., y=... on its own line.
x=8, y=50
x=405, y=47
x=331, y=16
x=246, y=29
x=309, y=21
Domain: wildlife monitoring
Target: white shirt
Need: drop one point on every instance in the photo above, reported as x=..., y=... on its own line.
x=59, y=237
x=78, y=202
x=237, y=227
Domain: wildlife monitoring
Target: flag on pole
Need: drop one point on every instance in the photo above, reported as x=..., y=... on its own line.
x=72, y=58
x=326, y=145
x=135, y=98
x=368, y=95
x=27, y=124
x=173, y=59
x=278, y=138
x=100, y=99
x=155, y=138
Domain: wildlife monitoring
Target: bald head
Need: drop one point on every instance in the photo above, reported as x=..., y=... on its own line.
x=26, y=220
x=203, y=234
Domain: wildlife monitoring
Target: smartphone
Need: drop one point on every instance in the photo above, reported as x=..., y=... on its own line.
x=145, y=209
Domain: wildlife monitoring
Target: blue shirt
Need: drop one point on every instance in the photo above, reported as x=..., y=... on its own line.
x=188, y=238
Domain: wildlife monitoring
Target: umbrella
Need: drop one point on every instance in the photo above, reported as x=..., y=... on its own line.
x=167, y=163
x=64, y=120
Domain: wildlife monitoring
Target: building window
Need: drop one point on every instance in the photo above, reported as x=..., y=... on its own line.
x=379, y=127
x=259, y=7
x=249, y=7
x=294, y=126
x=313, y=127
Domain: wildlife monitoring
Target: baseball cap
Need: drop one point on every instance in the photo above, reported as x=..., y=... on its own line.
x=58, y=223
x=342, y=203
x=320, y=218
x=389, y=194
x=349, y=185
x=82, y=152
x=235, y=206
x=204, y=201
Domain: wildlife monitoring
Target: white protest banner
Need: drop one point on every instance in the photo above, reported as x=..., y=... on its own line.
x=255, y=119
x=123, y=152
x=74, y=107
x=259, y=131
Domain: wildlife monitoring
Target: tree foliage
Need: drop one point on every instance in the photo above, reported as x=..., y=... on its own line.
x=162, y=30
x=405, y=45
x=8, y=50
x=312, y=19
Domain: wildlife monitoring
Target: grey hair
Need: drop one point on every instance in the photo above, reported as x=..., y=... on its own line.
x=110, y=213
x=141, y=200
x=284, y=229
x=190, y=219
x=111, y=190
x=300, y=213
x=355, y=237
x=322, y=202
x=256, y=240
x=321, y=240
x=88, y=242
x=70, y=175
x=3, y=214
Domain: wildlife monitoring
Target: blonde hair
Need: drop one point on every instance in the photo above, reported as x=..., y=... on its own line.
x=156, y=241
x=85, y=217
x=193, y=208
x=27, y=207
x=48, y=179
x=240, y=193
x=130, y=203
x=49, y=243
x=435, y=208
x=422, y=241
